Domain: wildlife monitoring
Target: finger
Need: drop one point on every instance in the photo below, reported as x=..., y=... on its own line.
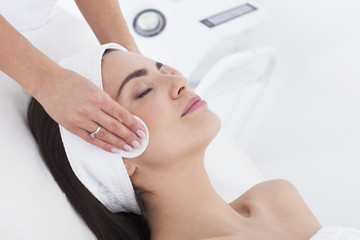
x=119, y=113
x=114, y=140
x=118, y=134
x=92, y=127
x=84, y=134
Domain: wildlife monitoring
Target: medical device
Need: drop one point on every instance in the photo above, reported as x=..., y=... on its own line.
x=208, y=41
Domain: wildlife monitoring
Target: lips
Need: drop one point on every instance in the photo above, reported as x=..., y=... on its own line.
x=193, y=104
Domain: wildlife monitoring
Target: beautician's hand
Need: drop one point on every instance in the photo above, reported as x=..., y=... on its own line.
x=81, y=107
x=71, y=100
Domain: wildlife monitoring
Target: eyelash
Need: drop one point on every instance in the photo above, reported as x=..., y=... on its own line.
x=144, y=93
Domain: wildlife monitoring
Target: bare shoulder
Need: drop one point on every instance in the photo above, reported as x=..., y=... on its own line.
x=275, y=208
x=272, y=187
x=272, y=193
x=276, y=184
x=277, y=188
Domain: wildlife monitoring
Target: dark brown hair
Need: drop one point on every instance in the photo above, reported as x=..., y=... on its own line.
x=103, y=223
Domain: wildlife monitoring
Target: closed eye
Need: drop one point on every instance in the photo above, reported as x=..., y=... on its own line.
x=143, y=94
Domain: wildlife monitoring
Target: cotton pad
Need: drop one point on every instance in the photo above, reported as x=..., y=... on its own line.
x=143, y=143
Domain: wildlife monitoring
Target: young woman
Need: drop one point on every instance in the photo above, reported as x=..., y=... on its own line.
x=173, y=190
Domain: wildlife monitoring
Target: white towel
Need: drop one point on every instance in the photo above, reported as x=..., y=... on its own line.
x=103, y=173
x=337, y=233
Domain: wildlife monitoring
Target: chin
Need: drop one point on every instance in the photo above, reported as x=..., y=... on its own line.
x=206, y=129
x=214, y=125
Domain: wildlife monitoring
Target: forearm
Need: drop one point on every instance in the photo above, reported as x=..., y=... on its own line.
x=107, y=22
x=22, y=61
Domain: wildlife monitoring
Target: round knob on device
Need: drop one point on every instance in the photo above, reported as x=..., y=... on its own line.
x=149, y=22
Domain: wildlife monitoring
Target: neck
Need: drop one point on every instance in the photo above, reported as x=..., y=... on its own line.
x=186, y=206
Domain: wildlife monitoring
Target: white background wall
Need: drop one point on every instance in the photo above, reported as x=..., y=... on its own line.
x=306, y=127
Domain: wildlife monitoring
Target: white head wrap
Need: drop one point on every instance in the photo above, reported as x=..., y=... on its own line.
x=103, y=174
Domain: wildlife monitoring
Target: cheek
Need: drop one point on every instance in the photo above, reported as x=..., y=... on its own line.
x=172, y=139
x=164, y=129
x=161, y=129
x=159, y=118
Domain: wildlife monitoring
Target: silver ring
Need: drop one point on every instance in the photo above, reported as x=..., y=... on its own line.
x=94, y=133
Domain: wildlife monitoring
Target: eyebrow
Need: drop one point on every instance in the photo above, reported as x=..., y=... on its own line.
x=138, y=73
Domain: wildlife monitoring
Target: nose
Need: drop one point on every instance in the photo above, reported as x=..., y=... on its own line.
x=179, y=86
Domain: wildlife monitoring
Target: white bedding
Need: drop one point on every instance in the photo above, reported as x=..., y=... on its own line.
x=337, y=233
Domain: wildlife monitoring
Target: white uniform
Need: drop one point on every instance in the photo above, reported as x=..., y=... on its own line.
x=27, y=14
x=337, y=233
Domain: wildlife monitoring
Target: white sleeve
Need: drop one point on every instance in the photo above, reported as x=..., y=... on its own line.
x=337, y=233
x=27, y=15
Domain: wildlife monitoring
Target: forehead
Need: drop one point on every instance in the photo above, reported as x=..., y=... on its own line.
x=116, y=65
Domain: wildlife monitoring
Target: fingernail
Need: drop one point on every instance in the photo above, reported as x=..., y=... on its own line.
x=115, y=150
x=127, y=148
x=136, y=144
x=141, y=134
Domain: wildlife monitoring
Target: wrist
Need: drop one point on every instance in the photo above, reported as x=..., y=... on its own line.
x=45, y=79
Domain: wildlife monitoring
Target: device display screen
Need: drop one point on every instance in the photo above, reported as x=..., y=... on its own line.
x=228, y=15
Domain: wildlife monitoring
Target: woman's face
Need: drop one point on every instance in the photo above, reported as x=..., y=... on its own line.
x=159, y=95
